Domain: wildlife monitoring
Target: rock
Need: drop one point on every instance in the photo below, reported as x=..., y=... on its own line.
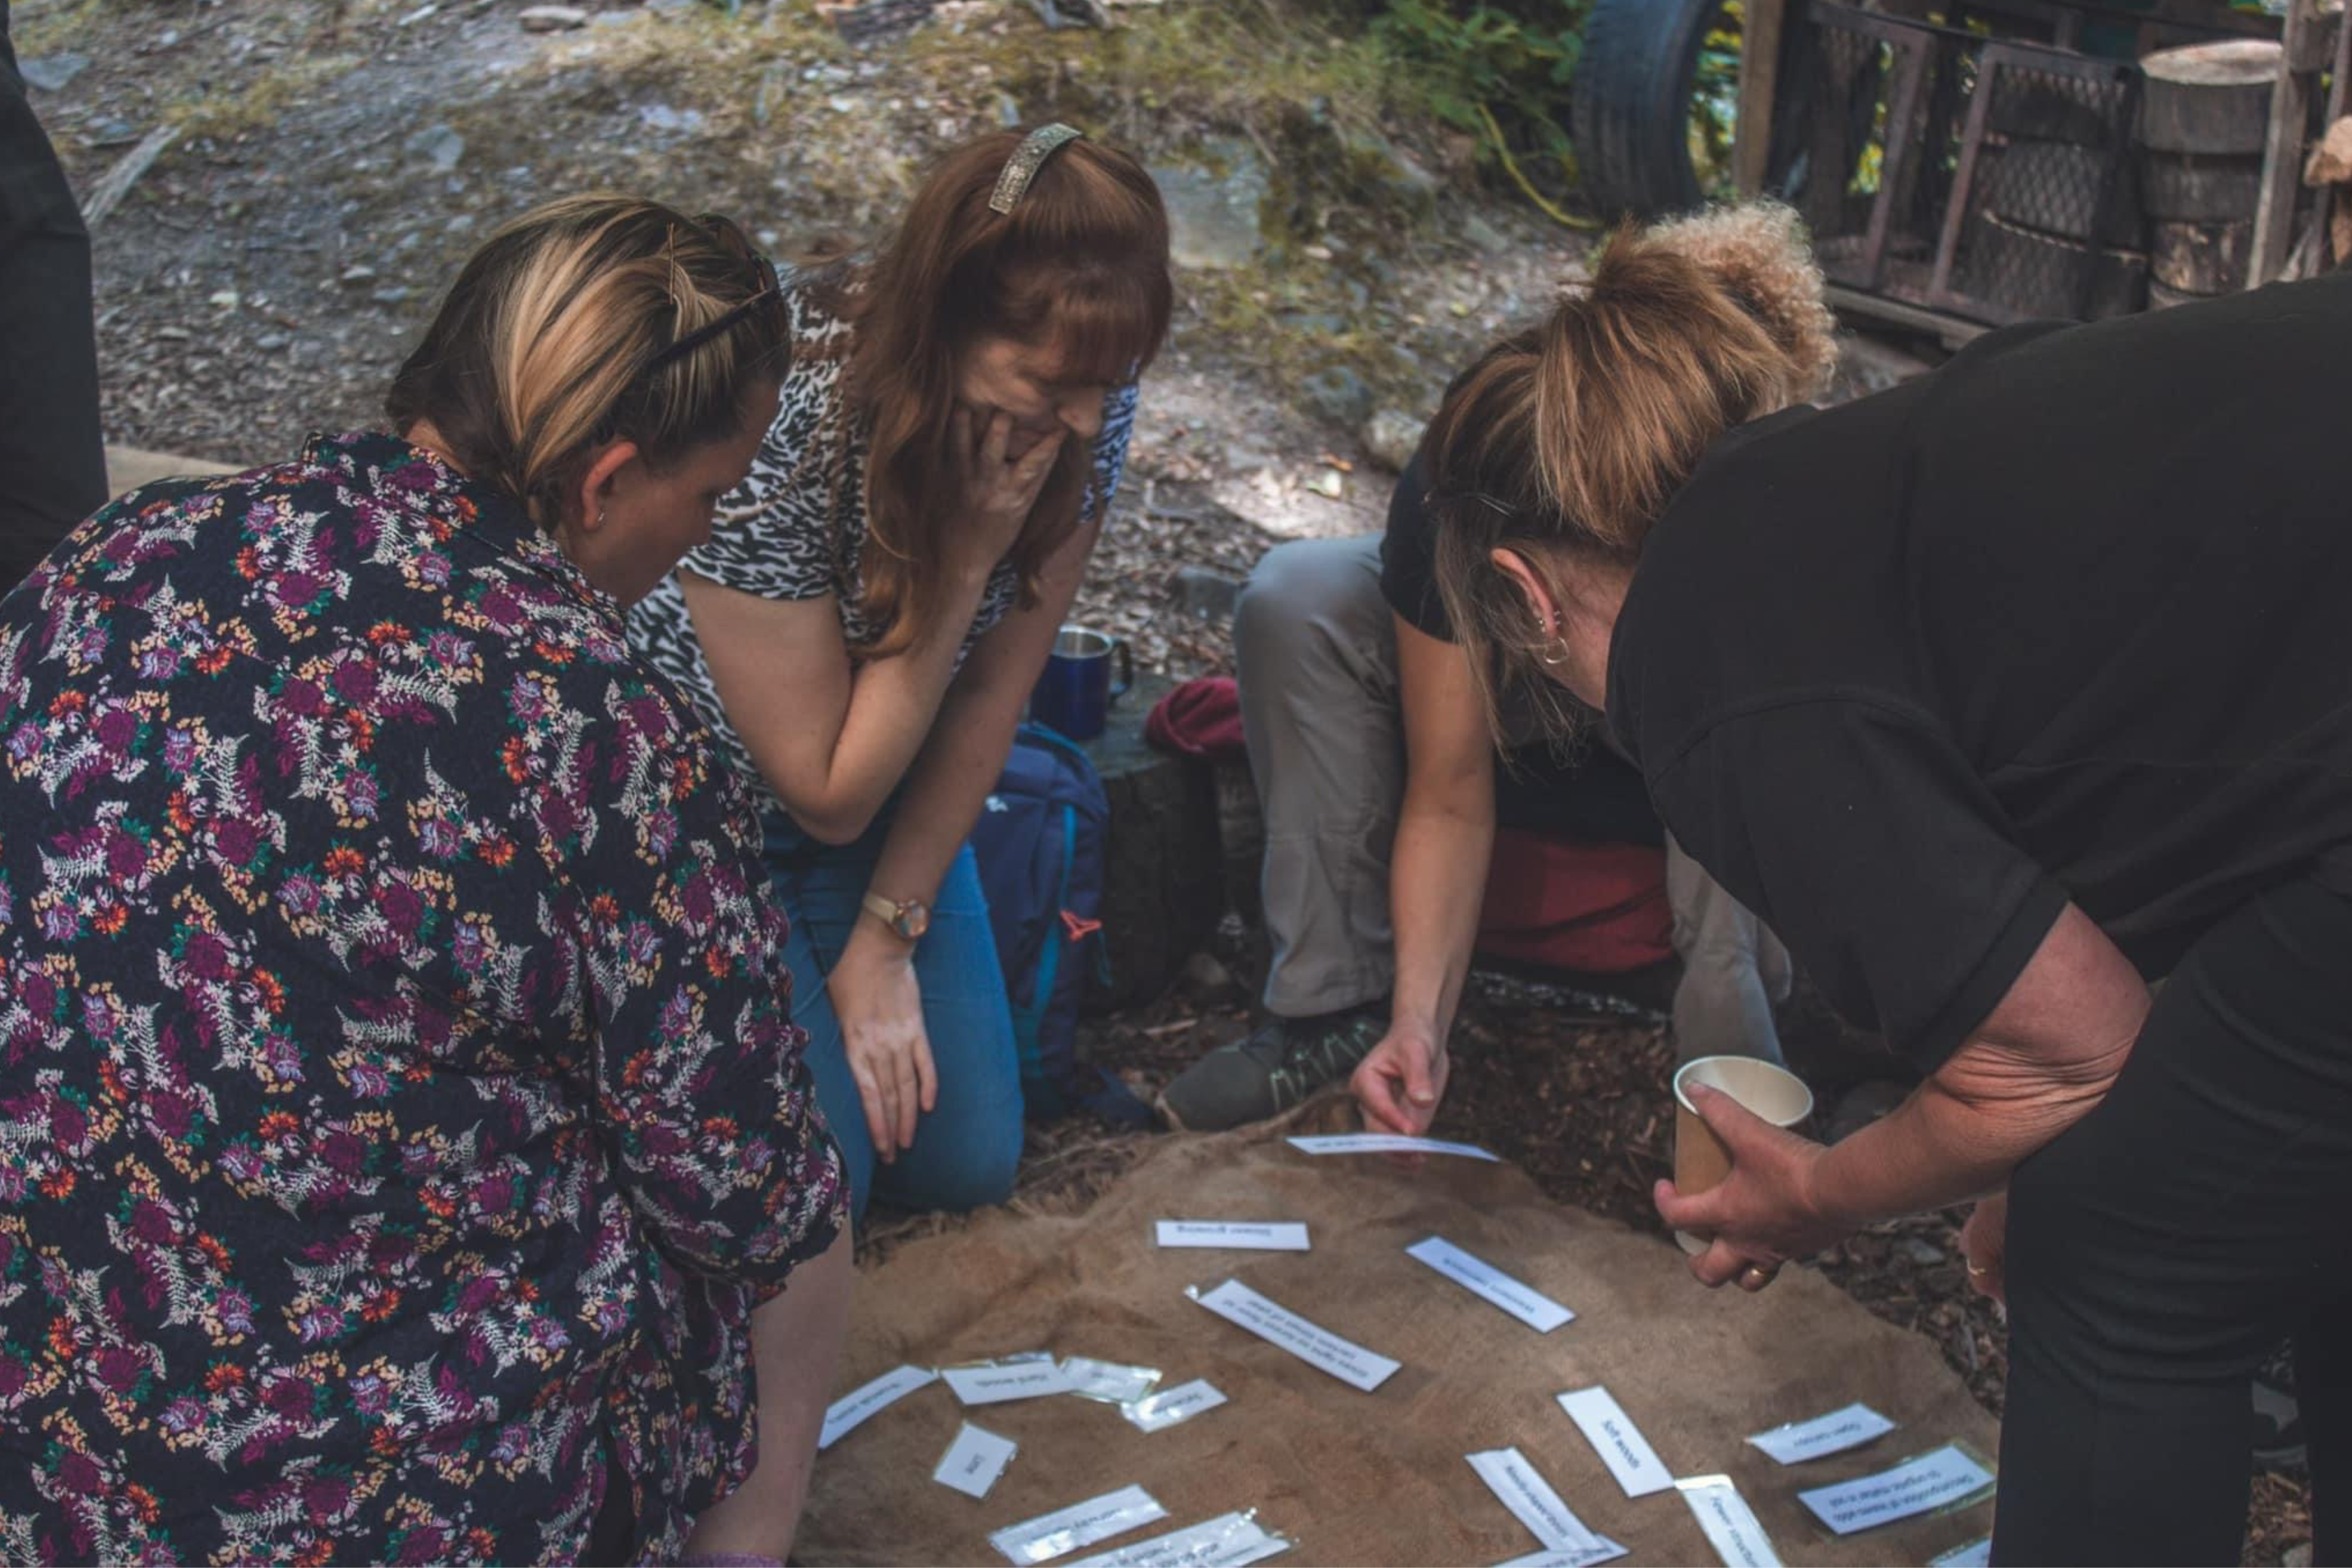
x=662, y=117
x=1208, y=593
x=1484, y=234
x=2297, y=1556
x=438, y=145
x=355, y=276
x=1391, y=437
x=1379, y=168
x=272, y=343
x=1205, y=973
x=53, y=73
x=395, y=294
x=1212, y=217
x=1925, y=1254
x=552, y=18
x=1338, y=395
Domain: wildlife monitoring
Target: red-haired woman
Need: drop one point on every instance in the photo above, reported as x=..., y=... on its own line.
x=866, y=625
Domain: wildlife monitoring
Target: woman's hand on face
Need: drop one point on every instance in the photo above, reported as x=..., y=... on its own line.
x=879, y=1003
x=1765, y=1211
x=998, y=488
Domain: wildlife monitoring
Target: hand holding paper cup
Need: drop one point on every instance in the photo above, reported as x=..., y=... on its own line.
x=1701, y=1161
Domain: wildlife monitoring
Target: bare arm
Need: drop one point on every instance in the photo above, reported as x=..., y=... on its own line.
x=964, y=755
x=1438, y=877
x=831, y=739
x=873, y=985
x=2047, y=1054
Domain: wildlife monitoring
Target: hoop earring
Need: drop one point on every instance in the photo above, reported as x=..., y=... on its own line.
x=1549, y=659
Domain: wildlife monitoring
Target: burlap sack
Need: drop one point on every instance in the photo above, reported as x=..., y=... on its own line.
x=1375, y=1478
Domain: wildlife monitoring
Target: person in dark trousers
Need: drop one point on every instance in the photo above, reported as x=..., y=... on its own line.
x=52, y=460
x=1997, y=695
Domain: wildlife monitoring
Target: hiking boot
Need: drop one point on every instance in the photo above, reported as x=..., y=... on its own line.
x=1272, y=1071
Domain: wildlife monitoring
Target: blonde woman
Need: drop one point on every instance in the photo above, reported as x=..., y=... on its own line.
x=1995, y=694
x=404, y=1120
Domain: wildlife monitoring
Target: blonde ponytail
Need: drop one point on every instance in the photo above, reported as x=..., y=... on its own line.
x=555, y=335
x=1565, y=442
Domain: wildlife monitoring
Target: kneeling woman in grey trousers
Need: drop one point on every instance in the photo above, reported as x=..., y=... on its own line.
x=1383, y=788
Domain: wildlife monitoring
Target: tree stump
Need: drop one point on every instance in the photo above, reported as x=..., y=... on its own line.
x=2208, y=98
x=2204, y=258
x=2198, y=188
x=1163, y=874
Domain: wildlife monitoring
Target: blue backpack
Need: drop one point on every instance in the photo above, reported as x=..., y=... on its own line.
x=1040, y=842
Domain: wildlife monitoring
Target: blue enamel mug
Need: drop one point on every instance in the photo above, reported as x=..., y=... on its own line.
x=1075, y=691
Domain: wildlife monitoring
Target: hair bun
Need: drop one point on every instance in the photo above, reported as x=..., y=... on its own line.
x=1757, y=251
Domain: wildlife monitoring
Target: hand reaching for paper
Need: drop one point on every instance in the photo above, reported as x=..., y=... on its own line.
x=1764, y=1213
x=1400, y=1081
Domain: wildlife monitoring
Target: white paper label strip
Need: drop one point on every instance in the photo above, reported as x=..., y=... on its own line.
x=995, y=1383
x=974, y=1460
x=1386, y=1143
x=1568, y=1556
x=1617, y=1440
x=1351, y=1362
x=1490, y=1284
x=1050, y=1535
x=1977, y=1553
x=1154, y=1412
x=1228, y=1541
x=1111, y=1381
x=1534, y=1504
x=844, y=1415
x=1263, y=1235
x=1920, y=1486
x=1832, y=1434
x=1731, y=1526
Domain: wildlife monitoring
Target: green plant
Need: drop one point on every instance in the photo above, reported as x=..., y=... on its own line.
x=1498, y=69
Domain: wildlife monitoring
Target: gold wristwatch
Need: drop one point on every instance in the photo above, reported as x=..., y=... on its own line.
x=909, y=918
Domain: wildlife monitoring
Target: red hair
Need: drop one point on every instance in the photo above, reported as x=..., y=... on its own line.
x=1081, y=263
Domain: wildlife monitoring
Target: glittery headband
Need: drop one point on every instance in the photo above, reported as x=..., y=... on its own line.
x=1027, y=159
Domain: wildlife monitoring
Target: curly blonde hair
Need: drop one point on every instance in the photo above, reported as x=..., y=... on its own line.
x=1565, y=442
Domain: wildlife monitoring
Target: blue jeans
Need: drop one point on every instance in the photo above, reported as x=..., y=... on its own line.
x=966, y=1149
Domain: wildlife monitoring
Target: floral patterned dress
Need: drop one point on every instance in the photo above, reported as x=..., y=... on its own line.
x=400, y=1111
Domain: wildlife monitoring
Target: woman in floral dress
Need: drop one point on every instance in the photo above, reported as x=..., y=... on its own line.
x=404, y=1124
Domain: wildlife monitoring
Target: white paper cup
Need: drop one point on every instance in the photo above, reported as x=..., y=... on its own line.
x=1773, y=1093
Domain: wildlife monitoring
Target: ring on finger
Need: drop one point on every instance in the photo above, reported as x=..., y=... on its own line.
x=1755, y=1276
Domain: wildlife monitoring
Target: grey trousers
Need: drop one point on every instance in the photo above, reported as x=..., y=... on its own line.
x=1314, y=647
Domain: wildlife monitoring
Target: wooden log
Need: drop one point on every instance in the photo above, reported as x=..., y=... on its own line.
x=2201, y=258
x=2208, y=98
x=2037, y=274
x=1164, y=877
x=2057, y=187
x=2198, y=188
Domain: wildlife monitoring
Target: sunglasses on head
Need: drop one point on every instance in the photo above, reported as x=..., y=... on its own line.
x=768, y=298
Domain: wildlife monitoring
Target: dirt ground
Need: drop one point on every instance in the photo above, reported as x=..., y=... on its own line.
x=337, y=159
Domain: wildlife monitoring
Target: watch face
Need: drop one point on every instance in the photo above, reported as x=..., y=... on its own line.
x=913, y=921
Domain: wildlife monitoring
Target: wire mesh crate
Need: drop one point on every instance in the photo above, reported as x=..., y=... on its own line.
x=1989, y=178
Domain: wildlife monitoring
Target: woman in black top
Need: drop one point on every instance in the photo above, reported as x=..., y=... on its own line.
x=1997, y=695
